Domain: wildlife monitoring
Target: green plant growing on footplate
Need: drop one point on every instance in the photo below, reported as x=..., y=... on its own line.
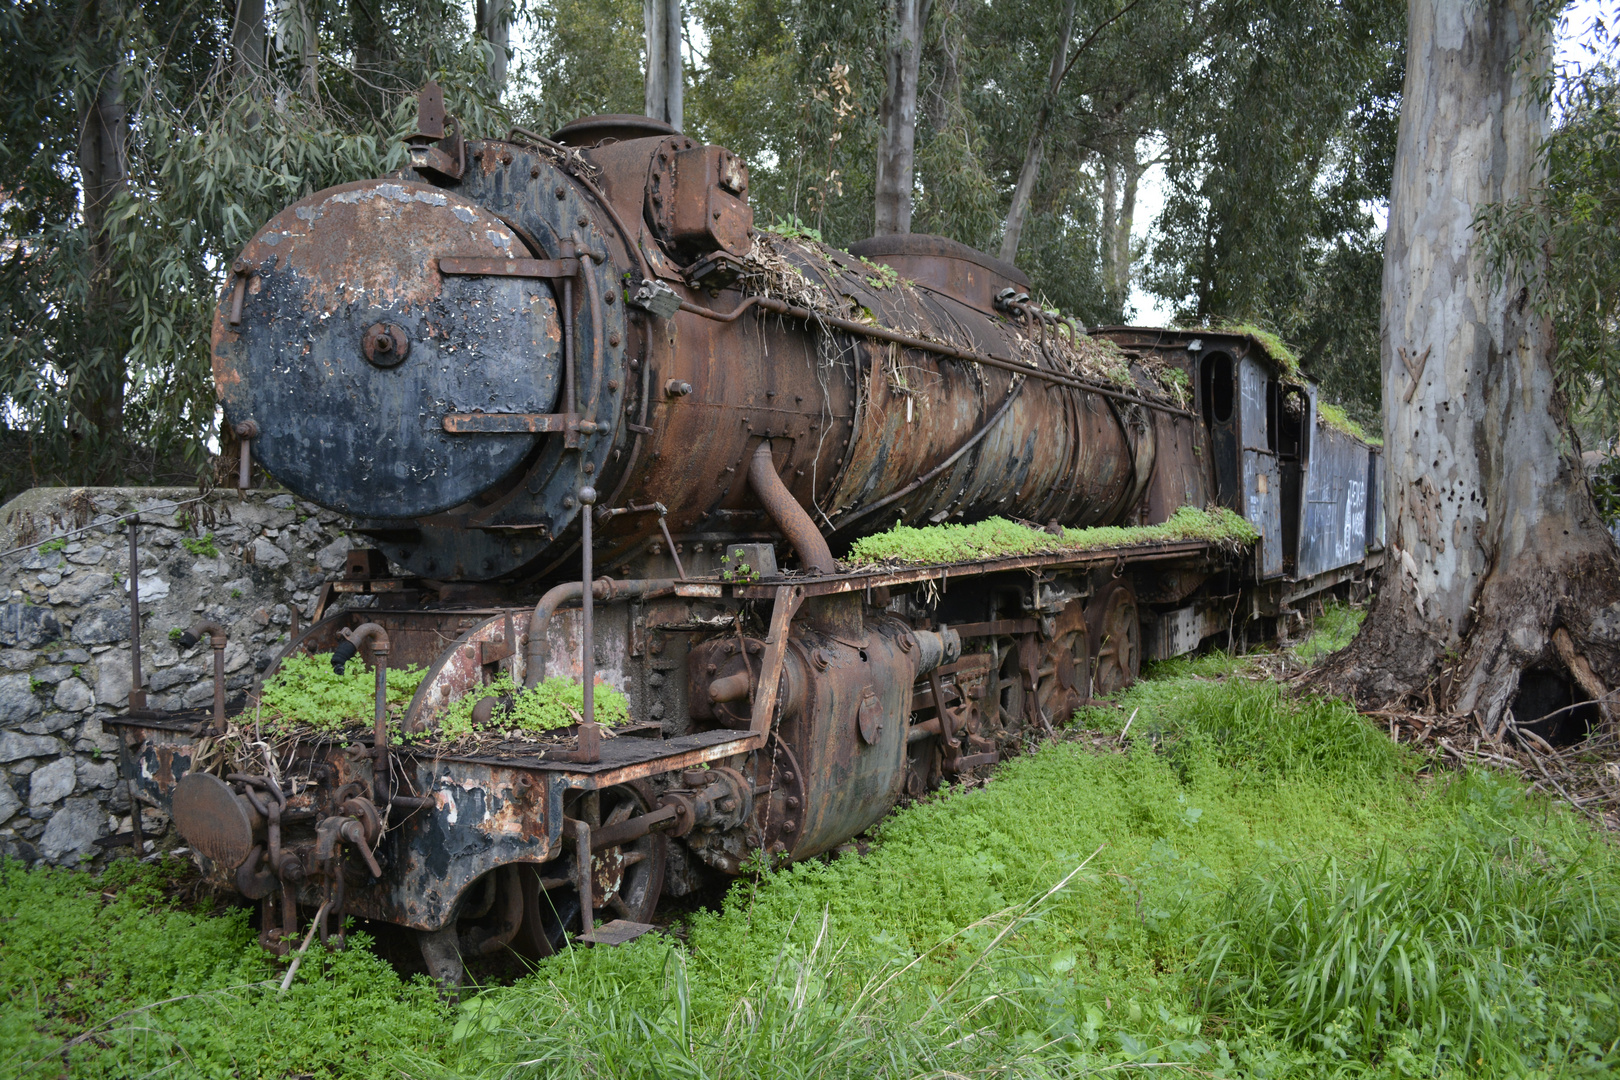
x=556, y=703
x=933, y=544
x=306, y=693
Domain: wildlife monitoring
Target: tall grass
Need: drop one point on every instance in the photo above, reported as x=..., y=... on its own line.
x=1451, y=958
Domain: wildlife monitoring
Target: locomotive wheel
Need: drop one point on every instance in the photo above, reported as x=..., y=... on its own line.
x=1006, y=691
x=626, y=880
x=1116, y=627
x=1061, y=683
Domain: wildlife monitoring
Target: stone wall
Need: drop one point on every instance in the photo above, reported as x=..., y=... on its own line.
x=243, y=561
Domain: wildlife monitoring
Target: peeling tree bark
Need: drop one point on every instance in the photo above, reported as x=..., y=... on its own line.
x=1494, y=543
x=897, y=136
x=664, y=100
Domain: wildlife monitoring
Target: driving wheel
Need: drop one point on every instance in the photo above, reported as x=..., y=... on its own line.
x=1116, y=628
x=1061, y=683
x=626, y=879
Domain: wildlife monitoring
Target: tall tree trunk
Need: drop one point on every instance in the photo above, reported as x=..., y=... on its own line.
x=247, y=40
x=946, y=109
x=1107, y=223
x=97, y=388
x=373, y=49
x=1030, y=171
x=664, y=74
x=897, y=134
x=494, y=26
x=297, y=32
x=1493, y=541
x=1117, y=264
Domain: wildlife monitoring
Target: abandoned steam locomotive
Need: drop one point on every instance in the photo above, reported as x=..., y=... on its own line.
x=597, y=425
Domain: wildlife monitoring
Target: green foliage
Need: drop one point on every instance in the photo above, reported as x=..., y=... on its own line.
x=108, y=306
x=201, y=546
x=175, y=634
x=1334, y=417
x=1460, y=953
x=793, y=229
x=556, y=703
x=158, y=989
x=993, y=537
x=1334, y=629
x=1559, y=240
x=733, y=568
x=1274, y=346
x=306, y=693
x=56, y=543
x=1189, y=898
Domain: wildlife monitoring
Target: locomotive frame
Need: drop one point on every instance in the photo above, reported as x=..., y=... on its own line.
x=778, y=711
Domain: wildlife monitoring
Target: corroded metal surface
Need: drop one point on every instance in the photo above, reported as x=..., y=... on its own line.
x=352, y=425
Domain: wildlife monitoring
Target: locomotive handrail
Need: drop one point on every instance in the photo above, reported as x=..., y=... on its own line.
x=883, y=333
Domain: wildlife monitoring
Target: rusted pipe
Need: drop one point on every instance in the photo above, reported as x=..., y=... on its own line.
x=880, y=333
x=352, y=640
x=604, y=589
x=216, y=640
x=788, y=515
x=589, y=737
x=246, y=431
x=730, y=687
x=566, y=251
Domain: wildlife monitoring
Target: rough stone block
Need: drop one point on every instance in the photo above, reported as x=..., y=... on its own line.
x=15, y=747
x=28, y=625
x=101, y=626
x=18, y=659
x=112, y=676
x=52, y=782
x=50, y=722
x=153, y=586
x=9, y=803
x=268, y=555
x=333, y=555
x=71, y=833
x=174, y=676
x=94, y=739
x=97, y=775
x=51, y=674
x=73, y=696
x=18, y=704
x=82, y=588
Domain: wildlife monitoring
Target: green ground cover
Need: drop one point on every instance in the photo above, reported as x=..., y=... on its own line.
x=934, y=544
x=1249, y=884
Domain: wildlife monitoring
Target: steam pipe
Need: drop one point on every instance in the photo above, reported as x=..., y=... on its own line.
x=788, y=515
x=352, y=640
x=604, y=589
x=216, y=640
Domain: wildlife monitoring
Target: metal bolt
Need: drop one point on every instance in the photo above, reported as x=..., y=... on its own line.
x=677, y=388
x=613, y=339
x=534, y=172
x=790, y=826
x=560, y=191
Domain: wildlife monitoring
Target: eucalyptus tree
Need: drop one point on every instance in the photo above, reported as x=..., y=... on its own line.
x=195, y=130
x=1498, y=565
